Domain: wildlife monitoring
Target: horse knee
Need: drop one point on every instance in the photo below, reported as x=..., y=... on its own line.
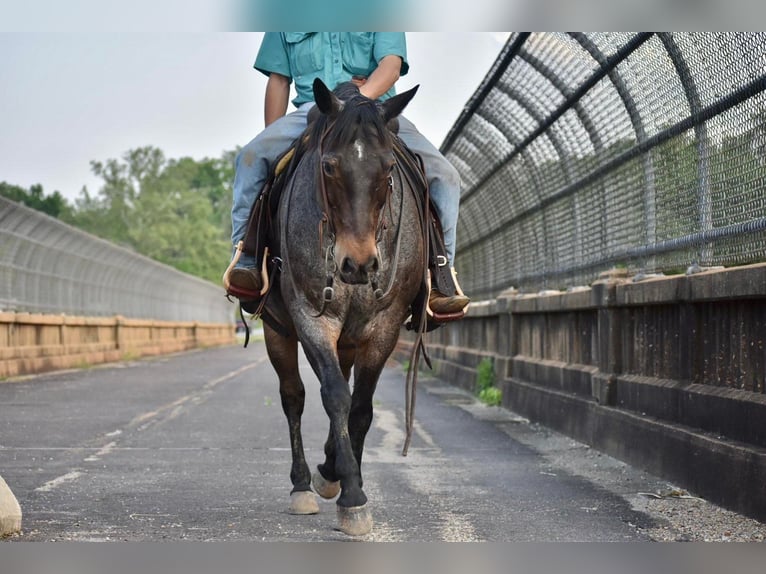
x=293, y=398
x=360, y=417
x=336, y=399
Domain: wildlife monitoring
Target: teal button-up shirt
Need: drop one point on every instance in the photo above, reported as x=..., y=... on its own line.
x=332, y=56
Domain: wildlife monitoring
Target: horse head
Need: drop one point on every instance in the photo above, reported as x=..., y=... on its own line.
x=356, y=162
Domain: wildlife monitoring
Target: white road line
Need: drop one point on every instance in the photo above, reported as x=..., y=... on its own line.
x=144, y=420
x=103, y=451
x=51, y=484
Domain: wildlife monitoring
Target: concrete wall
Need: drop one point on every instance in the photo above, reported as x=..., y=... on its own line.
x=667, y=373
x=33, y=343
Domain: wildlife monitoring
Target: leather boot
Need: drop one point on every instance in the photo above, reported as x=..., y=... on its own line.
x=446, y=304
x=245, y=283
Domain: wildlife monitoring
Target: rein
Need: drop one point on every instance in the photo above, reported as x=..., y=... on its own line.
x=418, y=347
x=331, y=266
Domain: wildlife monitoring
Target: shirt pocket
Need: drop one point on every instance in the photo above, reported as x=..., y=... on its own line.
x=357, y=52
x=304, y=51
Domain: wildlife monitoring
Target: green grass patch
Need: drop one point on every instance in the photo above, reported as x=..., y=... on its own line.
x=485, y=383
x=492, y=396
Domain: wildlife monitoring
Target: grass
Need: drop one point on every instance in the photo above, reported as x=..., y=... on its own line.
x=486, y=390
x=492, y=396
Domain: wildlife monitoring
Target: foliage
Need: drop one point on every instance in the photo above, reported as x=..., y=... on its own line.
x=485, y=374
x=54, y=205
x=175, y=211
x=485, y=383
x=491, y=396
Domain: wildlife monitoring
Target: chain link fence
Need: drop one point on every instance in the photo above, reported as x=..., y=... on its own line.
x=47, y=266
x=582, y=152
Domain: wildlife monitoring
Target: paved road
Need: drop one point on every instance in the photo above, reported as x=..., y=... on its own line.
x=195, y=446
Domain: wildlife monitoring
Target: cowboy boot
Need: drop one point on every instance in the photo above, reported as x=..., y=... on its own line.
x=443, y=304
x=245, y=283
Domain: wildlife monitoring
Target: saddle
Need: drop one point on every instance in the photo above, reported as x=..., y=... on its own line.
x=260, y=239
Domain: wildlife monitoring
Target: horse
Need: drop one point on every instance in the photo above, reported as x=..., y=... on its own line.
x=349, y=232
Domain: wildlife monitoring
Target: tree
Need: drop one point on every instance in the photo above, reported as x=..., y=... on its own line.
x=54, y=205
x=174, y=211
x=176, y=223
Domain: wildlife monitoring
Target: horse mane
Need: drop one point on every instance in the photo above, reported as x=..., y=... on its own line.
x=359, y=117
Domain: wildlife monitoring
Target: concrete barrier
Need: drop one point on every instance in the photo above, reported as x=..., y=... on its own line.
x=10, y=511
x=34, y=343
x=668, y=373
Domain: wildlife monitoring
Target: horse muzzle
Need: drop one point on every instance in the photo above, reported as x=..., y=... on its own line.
x=355, y=273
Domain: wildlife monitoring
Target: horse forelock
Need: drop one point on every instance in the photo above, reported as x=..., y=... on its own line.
x=359, y=118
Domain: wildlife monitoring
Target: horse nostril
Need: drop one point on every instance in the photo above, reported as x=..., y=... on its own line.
x=372, y=265
x=348, y=266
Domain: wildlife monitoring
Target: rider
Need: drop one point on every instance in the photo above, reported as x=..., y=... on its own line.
x=373, y=61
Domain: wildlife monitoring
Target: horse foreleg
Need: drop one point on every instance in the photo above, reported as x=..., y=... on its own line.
x=283, y=354
x=353, y=516
x=326, y=482
x=369, y=365
x=360, y=417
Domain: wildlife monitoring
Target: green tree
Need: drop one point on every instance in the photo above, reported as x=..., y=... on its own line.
x=175, y=222
x=54, y=204
x=110, y=214
x=174, y=211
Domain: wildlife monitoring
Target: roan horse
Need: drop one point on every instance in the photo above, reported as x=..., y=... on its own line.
x=350, y=239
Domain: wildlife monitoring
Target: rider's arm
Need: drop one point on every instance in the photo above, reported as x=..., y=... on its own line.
x=382, y=78
x=277, y=97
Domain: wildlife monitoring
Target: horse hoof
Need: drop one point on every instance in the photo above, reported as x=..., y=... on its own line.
x=354, y=520
x=303, y=502
x=323, y=487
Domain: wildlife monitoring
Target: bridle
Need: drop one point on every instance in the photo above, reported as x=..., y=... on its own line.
x=327, y=231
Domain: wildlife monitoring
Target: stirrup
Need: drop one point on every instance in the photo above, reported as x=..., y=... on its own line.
x=234, y=260
x=445, y=317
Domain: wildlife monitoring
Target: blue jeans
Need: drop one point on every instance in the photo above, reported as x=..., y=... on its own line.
x=253, y=161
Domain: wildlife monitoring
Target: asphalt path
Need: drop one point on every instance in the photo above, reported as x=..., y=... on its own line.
x=195, y=446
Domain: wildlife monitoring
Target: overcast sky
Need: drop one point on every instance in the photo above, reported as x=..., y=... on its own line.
x=67, y=99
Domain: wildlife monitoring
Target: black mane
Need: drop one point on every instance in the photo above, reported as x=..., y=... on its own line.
x=359, y=117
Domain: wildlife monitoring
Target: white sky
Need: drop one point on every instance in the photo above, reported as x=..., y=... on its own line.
x=67, y=99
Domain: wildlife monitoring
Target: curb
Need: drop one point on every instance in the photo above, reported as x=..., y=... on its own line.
x=10, y=511
x=723, y=471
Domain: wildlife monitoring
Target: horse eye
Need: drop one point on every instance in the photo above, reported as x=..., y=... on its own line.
x=328, y=167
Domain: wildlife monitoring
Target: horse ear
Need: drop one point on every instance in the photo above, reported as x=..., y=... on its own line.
x=392, y=107
x=326, y=101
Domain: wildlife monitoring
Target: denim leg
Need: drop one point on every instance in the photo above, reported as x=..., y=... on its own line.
x=443, y=181
x=252, y=169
